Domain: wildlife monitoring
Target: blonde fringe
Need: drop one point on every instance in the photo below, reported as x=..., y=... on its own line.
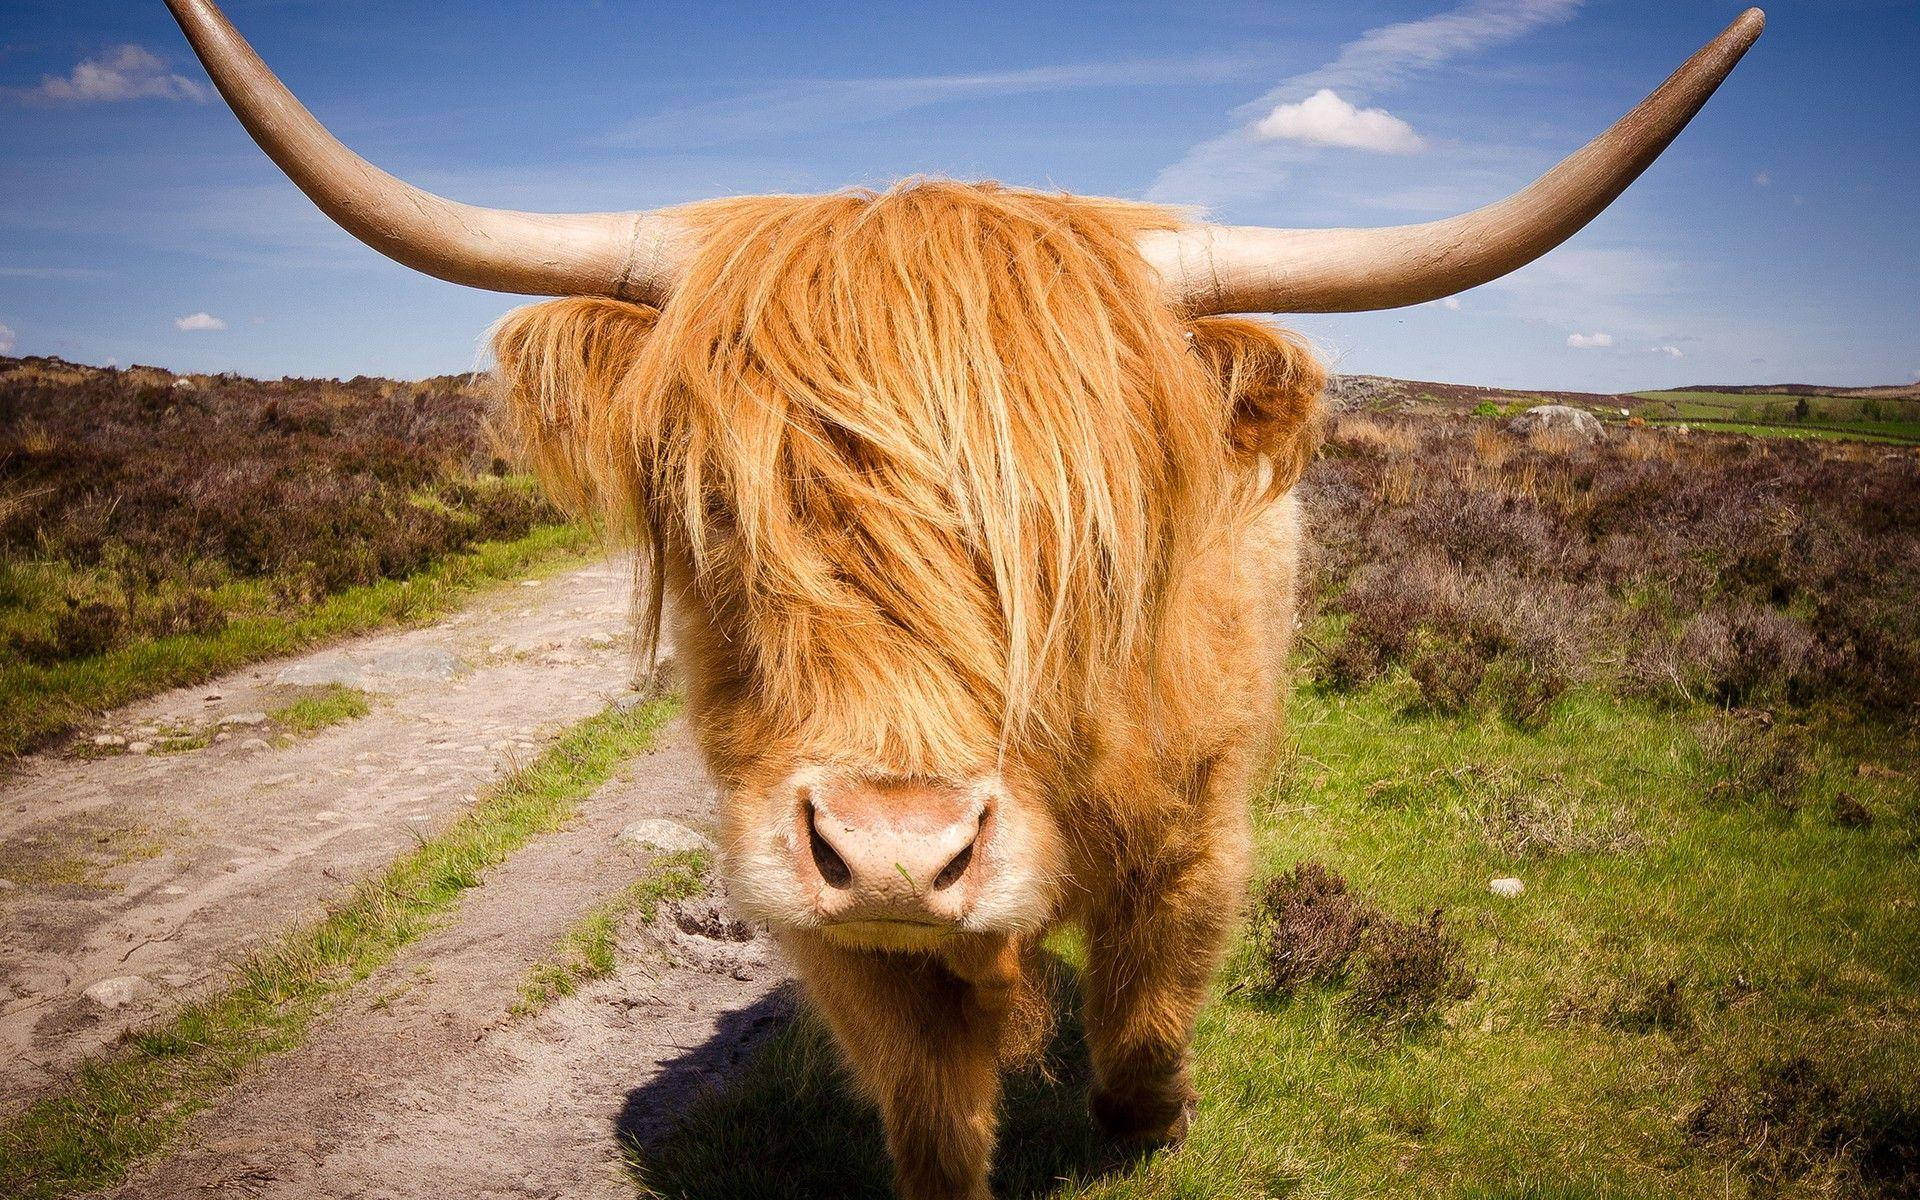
x=932, y=454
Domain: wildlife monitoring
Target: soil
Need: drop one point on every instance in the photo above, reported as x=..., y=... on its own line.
x=427, y=1085
x=153, y=873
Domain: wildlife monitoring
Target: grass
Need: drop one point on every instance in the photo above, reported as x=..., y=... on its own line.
x=133, y=1101
x=588, y=950
x=40, y=702
x=1679, y=951
x=329, y=706
x=1782, y=415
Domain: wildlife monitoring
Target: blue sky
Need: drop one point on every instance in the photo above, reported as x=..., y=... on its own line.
x=1775, y=242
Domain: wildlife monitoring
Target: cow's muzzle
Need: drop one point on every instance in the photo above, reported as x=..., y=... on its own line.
x=886, y=858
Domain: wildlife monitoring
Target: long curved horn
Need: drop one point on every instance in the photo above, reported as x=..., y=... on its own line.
x=632, y=255
x=1223, y=269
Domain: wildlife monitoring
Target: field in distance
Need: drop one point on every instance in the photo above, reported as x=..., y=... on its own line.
x=1889, y=414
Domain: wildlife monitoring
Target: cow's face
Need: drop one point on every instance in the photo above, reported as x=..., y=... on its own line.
x=920, y=474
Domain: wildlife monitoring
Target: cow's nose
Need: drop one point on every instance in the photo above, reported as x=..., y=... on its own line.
x=892, y=851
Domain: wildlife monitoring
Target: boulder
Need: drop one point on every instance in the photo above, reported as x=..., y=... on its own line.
x=656, y=833
x=116, y=992
x=319, y=672
x=1559, y=418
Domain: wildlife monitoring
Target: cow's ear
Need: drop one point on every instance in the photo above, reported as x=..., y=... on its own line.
x=560, y=367
x=1271, y=383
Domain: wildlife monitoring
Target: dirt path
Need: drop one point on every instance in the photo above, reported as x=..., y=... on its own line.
x=132, y=879
x=425, y=1085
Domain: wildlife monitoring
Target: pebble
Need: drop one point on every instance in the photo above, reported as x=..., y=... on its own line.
x=115, y=992
x=173, y=889
x=108, y=739
x=254, y=744
x=139, y=747
x=1506, y=886
x=245, y=718
x=7, y=885
x=660, y=834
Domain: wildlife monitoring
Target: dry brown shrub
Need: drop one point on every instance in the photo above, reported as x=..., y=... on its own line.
x=1818, y=1128
x=1706, y=568
x=1491, y=447
x=1356, y=434
x=1545, y=819
x=1746, y=759
x=1408, y=969
x=1305, y=927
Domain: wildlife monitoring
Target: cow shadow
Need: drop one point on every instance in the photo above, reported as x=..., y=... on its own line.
x=763, y=1109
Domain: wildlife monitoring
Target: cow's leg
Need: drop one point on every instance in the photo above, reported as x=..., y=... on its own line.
x=1153, y=944
x=925, y=1037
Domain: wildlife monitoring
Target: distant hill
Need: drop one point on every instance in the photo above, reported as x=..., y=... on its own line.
x=1888, y=414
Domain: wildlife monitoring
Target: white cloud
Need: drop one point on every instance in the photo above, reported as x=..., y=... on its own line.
x=199, y=322
x=1762, y=179
x=1589, y=341
x=1386, y=56
x=1670, y=351
x=1451, y=303
x=1324, y=119
x=6, y=340
x=123, y=73
x=1244, y=164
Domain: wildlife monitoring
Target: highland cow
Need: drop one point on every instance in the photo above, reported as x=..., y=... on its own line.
x=975, y=531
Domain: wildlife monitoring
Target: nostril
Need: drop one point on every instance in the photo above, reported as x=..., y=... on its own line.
x=831, y=866
x=951, y=873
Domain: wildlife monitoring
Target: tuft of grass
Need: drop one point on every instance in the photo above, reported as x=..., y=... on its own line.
x=588, y=950
x=133, y=1100
x=329, y=706
x=181, y=743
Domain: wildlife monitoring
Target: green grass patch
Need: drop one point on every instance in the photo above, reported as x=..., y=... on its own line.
x=1872, y=419
x=329, y=706
x=1704, y=990
x=588, y=950
x=43, y=701
x=133, y=1100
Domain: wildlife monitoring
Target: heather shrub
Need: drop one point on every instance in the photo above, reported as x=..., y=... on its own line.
x=1305, y=927
x=127, y=502
x=1407, y=970
x=1498, y=572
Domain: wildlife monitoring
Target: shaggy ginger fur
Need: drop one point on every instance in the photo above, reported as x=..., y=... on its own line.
x=942, y=490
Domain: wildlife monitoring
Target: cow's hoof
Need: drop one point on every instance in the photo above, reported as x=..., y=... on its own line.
x=1144, y=1122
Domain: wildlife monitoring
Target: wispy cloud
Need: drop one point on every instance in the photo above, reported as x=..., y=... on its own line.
x=123, y=73
x=51, y=273
x=199, y=322
x=1590, y=341
x=806, y=105
x=1670, y=351
x=1244, y=164
x=1324, y=119
x=6, y=340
